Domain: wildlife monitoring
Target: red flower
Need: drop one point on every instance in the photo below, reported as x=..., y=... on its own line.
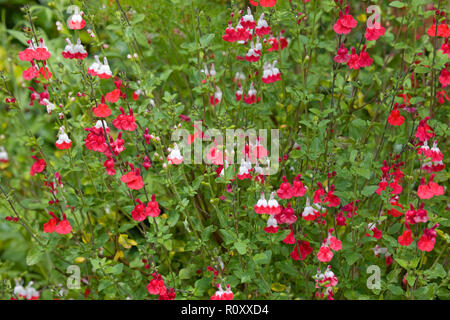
x=156, y=286
x=41, y=52
x=395, y=118
x=50, y=226
x=133, y=179
x=45, y=73
x=63, y=227
x=230, y=33
x=109, y=165
x=117, y=145
x=424, y=191
x=113, y=96
x=152, y=209
x=427, y=191
x=424, y=132
x=324, y=254
x=95, y=140
x=406, y=238
x=54, y=224
x=442, y=95
x=30, y=73
x=38, y=166
x=301, y=250
x=287, y=215
x=298, y=190
x=138, y=213
x=63, y=141
x=290, y=239
x=374, y=33
x=444, y=77
x=335, y=243
x=428, y=239
x=345, y=23
x=318, y=194
x=124, y=121
x=28, y=53
x=76, y=21
x=102, y=110
x=353, y=62
x=364, y=59
x=264, y=3
x=284, y=192
x=333, y=200
x=342, y=55
x=425, y=243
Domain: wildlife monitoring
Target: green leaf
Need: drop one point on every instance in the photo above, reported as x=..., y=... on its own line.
x=117, y=269
x=352, y=257
x=34, y=256
x=438, y=271
x=397, y=4
x=364, y=172
x=19, y=36
x=263, y=258
x=403, y=263
x=421, y=69
x=395, y=290
x=185, y=273
x=206, y=39
x=206, y=233
x=369, y=190
x=241, y=247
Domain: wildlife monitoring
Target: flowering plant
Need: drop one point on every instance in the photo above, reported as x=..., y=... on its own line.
x=93, y=181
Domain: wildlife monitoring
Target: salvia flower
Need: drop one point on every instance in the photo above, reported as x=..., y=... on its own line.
x=272, y=225
x=101, y=70
x=125, y=121
x=301, y=250
x=273, y=207
x=63, y=141
x=423, y=131
x=342, y=55
x=174, y=156
x=271, y=73
x=102, y=110
x=250, y=97
x=262, y=28
x=248, y=21
x=230, y=33
x=244, y=170
x=41, y=52
x=72, y=51
x=28, y=293
x=375, y=32
x=413, y=216
x=55, y=224
x=252, y=54
x=326, y=282
x=216, y=97
x=133, y=179
x=345, y=23
x=220, y=294
x=38, y=166
x=95, y=140
x=428, y=239
x=3, y=155
x=76, y=21
x=261, y=206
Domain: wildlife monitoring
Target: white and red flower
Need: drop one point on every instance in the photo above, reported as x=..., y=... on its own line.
x=63, y=141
